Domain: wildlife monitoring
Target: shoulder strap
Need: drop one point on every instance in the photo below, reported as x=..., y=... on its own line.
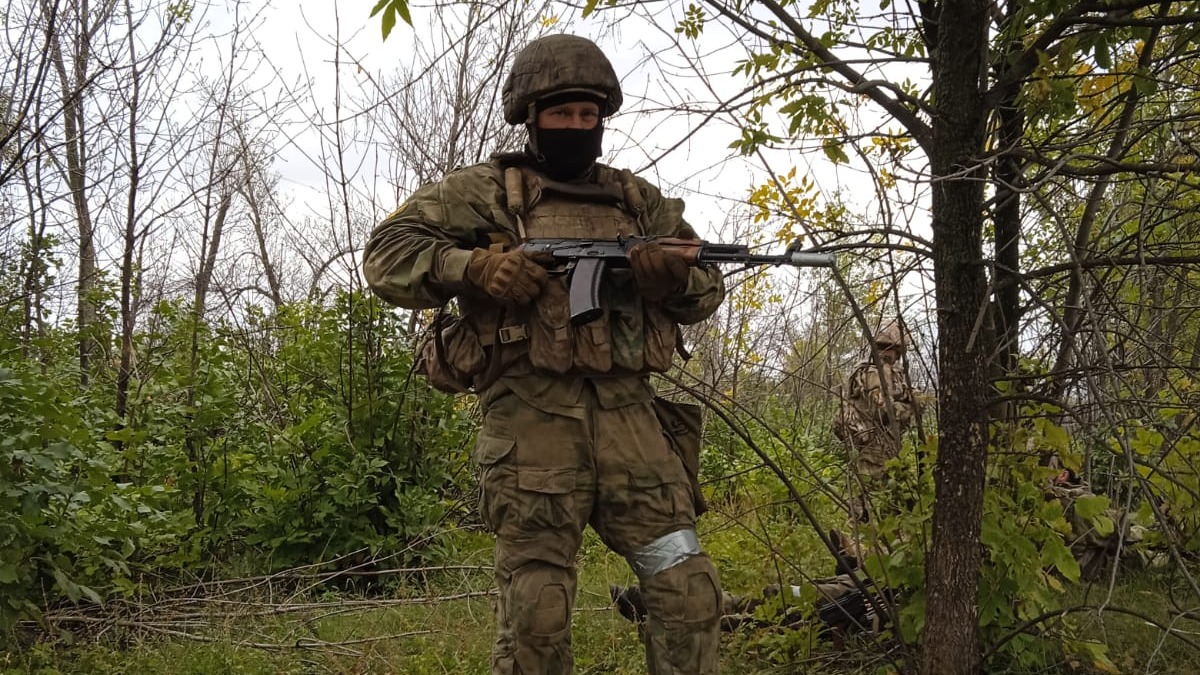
x=635, y=203
x=514, y=195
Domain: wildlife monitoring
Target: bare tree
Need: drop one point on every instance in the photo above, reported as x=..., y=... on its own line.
x=72, y=51
x=442, y=111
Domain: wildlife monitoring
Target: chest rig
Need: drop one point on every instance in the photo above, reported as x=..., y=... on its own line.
x=632, y=336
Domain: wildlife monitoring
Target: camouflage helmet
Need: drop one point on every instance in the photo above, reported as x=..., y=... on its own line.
x=890, y=336
x=558, y=64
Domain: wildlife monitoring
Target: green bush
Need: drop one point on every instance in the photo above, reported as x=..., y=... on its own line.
x=290, y=438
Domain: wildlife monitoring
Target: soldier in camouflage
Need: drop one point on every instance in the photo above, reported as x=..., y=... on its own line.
x=569, y=437
x=871, y=425
x=1097, y=543
x=839, y=603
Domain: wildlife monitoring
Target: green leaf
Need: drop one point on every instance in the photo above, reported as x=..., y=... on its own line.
x=1098, y=653
x=912, y=617
x=1090, y=506
x=8, y=573
x=92, y=595
x=1101, y=51
x=402, y=8
x=389, y=21
x=1145, y=86
x=390, y=9
x=1057, y=554
x=1057, y=438
x=589, y=7
x=835, y=153
x=69, y=587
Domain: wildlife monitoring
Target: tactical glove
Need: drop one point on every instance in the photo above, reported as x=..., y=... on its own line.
x=658, y=273
x=512, y=276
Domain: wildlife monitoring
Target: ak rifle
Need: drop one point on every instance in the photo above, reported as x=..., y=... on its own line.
x=586, y=260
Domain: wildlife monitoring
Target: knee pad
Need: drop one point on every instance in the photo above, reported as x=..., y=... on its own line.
x=539, y=603
x=687, y=593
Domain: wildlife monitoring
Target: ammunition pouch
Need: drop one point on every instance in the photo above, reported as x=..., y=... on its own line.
x=550, y=330
x=451, y=355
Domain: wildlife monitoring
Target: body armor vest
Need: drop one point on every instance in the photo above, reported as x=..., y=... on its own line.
x=631, y=337
x=894, y=380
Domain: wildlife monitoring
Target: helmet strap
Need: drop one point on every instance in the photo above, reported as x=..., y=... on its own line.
x=531, y=131
x=532, y=143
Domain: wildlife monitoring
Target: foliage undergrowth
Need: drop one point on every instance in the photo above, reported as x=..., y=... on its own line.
x=290, y=438
x=301, y=436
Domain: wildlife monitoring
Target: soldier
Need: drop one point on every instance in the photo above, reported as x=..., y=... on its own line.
x=569, y=436
x=1093, y=550
x=868, y=423
x=839, y=605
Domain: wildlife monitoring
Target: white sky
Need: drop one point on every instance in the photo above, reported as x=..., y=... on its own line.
x=299, y=39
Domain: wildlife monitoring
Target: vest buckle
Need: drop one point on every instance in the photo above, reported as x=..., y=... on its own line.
x=510, y=334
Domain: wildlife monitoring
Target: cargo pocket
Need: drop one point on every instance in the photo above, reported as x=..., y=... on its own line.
x=681, y=423
x=697, y=600
x=546, y=481
x=648, y=476
x=545, y=498
x=550, y=329
x=659, y=491
x=489, y=452
x=661, y=336
x=685, y=597
x=627, y=342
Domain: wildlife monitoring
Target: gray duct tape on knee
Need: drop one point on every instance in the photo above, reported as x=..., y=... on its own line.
x=664, y=553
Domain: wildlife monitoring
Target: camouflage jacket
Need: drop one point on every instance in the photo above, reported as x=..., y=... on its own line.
x=417, y=259
x=865, y=412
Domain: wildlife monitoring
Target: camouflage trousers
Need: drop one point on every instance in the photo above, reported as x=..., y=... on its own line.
x=869, y=452
x=543, y=478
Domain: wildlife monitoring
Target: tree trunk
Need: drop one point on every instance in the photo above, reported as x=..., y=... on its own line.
x=195, y=441
x=952, y=572
x=33, y=277
x=204, y=276
x=251, y=196
x=1076, y=311
x=125, y=369
x=72, y=83
x=1007, y=213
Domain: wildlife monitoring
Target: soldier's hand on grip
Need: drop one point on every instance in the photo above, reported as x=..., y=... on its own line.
x=511, y=276
x=658, y=273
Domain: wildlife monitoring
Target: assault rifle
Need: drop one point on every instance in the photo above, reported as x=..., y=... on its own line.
x=851, y=612
x=587, y=259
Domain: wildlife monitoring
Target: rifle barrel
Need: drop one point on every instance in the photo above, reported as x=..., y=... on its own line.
x=729, y=254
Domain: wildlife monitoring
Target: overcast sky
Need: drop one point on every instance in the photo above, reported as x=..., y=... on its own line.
x=298, y=41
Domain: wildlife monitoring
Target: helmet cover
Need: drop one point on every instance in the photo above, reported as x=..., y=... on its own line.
x=890, y=336
x=559, y=64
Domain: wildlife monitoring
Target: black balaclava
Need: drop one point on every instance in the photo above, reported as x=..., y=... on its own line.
x=566, y=154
